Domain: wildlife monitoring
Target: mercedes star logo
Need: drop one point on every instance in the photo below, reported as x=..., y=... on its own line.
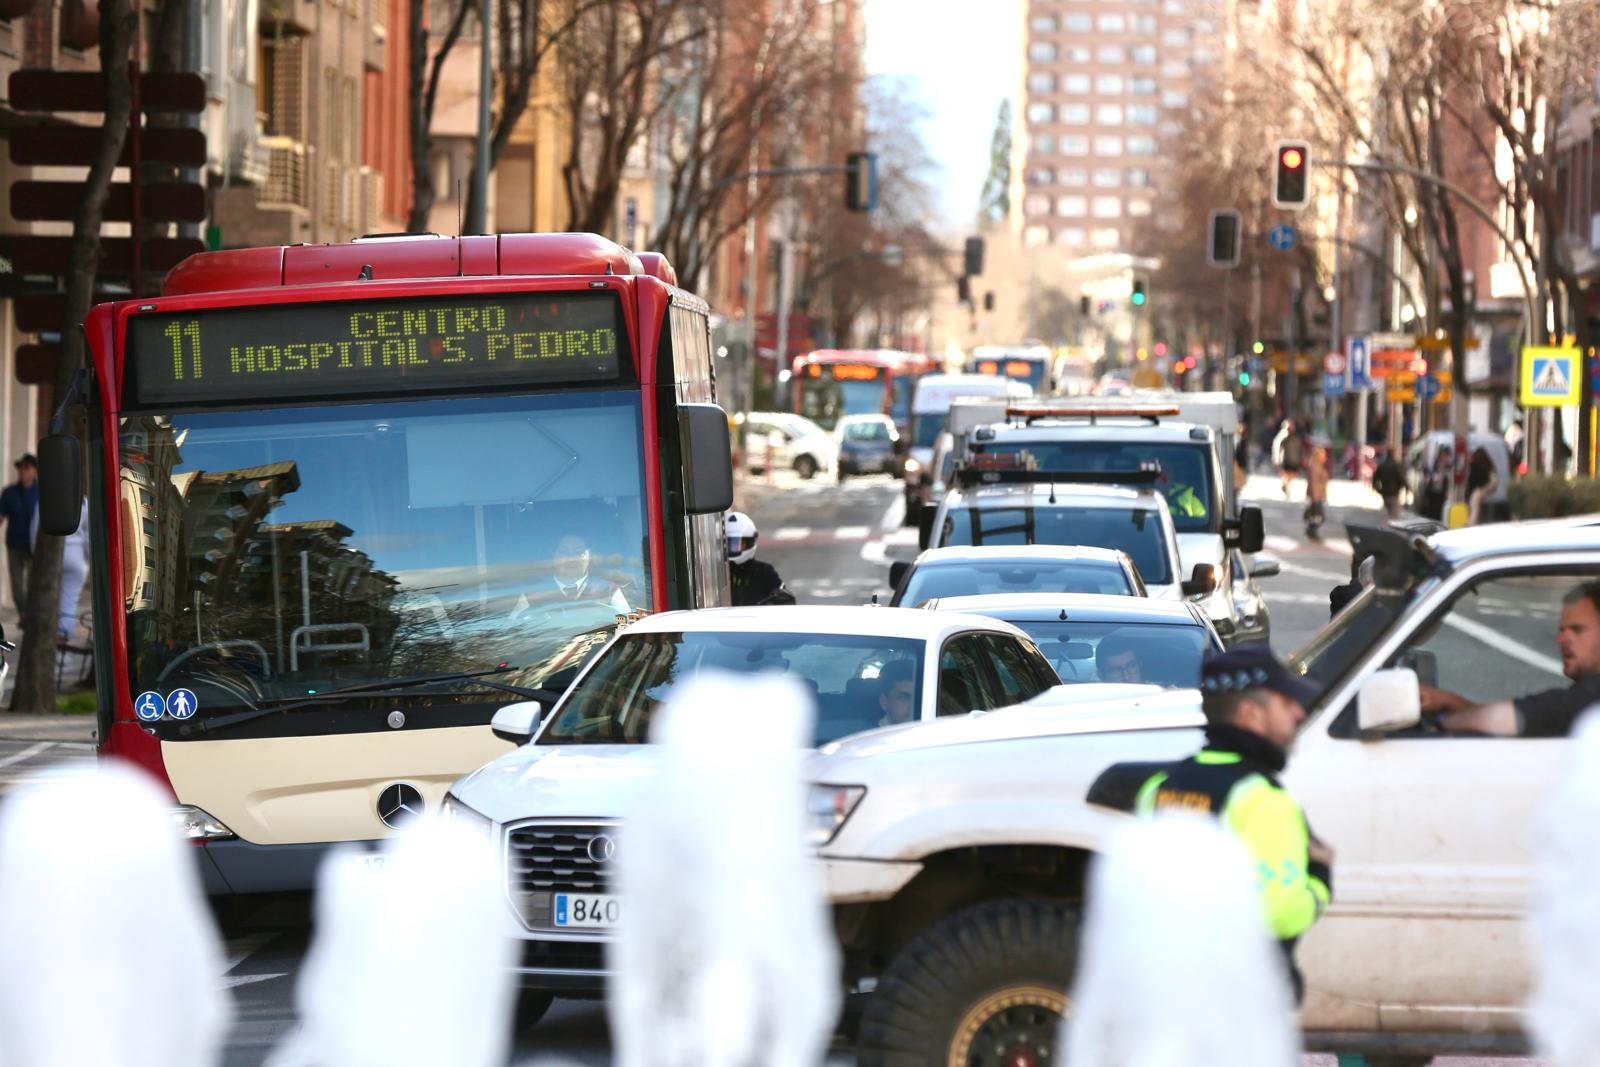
x=400, y=805
x=601, y=848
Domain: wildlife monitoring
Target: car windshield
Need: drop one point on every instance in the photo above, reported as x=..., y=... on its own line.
x=613, y=703
x=981, y=578
x=1147, y=653
x=1136, y=531
x=277, y=552
x=869, y=430
x=1185, y=469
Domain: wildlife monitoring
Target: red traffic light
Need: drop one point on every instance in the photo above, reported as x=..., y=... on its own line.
x=1292, y=158
x=1291, y=186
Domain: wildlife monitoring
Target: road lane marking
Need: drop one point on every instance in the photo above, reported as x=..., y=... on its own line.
x=1500, y=642
x=1280, y=543
x=852, y=533
x=27, y=753
x=791, y=533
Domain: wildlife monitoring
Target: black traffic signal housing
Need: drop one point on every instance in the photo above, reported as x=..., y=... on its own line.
x=861, y=181
x=1083, y=305
x=988, y=301
x=1222, y=250
x=964, y=289
x=1291, y=183
x=974, y=256
x=1138, y=293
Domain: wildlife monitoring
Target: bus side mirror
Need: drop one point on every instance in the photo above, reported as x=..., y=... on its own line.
x=1247, y=533
x=707, y=459
x=60, y=484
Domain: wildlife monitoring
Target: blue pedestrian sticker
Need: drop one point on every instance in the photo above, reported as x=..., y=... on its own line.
x=150, y=706
x=181, y=704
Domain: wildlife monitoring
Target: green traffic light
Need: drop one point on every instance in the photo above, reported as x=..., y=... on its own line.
x=1138, y=299
x=1244, y=377
x=1258, y=348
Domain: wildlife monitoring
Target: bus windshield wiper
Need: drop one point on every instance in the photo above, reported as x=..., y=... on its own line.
x=382, y=688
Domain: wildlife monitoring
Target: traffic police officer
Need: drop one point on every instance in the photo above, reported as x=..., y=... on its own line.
x=1253, y=706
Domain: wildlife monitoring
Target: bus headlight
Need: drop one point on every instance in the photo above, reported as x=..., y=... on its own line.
x=827, y=809
x=453, y=811
x=196, y=824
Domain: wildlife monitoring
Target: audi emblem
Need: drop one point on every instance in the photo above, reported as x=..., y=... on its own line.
x=601, y=848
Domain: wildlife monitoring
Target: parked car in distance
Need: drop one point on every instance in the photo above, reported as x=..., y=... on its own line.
x=788, y=442
x=967, y=571
x=868, y=444
x=1095, y=638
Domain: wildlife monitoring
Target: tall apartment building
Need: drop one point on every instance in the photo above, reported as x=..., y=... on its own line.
x=1105, y=82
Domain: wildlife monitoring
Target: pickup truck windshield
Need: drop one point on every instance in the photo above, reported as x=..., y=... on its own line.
x=613, y=703
x=1136, y=531
x=1185, y=470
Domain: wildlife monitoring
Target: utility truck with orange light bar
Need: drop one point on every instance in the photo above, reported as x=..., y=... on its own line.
x=1136, y=443
x=348, y=500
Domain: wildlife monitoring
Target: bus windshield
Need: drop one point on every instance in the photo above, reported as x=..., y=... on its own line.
x=829, y=392
x=272, y=553
x=1032, y=371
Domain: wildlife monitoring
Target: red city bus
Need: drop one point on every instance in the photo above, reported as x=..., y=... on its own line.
x=349, y=500
x=830, y=384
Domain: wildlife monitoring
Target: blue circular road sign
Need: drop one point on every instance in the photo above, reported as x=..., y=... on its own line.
x=1281, y=237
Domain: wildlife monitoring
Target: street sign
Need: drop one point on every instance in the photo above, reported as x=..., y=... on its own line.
x=1335, y=380
x=1428, y=387
x=1358, y=355
x=1332, y=384
x=1550, y=377
x=1281, y=237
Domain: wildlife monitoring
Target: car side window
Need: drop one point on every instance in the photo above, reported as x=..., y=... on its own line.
x=1012, y=670
x=1495, y=640
x=963, y=680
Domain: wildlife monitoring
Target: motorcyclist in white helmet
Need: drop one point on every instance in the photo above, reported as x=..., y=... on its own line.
x=754, y=582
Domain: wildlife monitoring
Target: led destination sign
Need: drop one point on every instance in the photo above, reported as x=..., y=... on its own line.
x=370, y=346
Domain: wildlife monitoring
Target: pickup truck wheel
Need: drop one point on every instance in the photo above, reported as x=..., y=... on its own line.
x=985, y=987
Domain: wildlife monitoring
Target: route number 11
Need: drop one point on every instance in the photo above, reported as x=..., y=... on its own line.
x=178, y=331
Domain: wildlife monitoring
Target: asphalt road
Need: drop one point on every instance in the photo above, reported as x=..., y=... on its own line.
x=833, y=544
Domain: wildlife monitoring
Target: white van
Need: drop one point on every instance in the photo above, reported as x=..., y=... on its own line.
x=936, y=392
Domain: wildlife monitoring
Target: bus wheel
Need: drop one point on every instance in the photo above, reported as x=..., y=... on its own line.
x=986, y=985
x=806, y=467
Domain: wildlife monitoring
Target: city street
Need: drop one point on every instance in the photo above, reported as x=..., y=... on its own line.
x=833, y=544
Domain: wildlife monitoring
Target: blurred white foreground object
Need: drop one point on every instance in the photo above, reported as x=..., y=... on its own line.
x=1178, y=967
x=725, y=956
x=1564, y=919
x=108, y=953
x=411, y=966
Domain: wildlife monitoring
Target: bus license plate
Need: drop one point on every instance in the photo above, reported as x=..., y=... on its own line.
x=595, y=911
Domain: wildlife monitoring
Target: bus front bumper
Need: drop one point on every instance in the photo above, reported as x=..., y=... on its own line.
x=232, y=866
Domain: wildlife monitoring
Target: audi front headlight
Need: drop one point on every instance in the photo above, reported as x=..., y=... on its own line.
x=453, y=811
x=827, y=809
x=196, y=824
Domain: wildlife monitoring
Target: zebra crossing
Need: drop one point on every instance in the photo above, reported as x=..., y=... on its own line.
x=23, y=761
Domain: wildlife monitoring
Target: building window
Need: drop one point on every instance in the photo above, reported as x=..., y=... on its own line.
x=1070, y=235
x=1175, y=68
x=1042, y=24
x=1073, y=177
x=1041, y=113
x=1145, y=24
x=1143, y=114
x=1041, y=82
x=1075, y=83
x=1044, y=144
x=1107, y=177
x=1074, y=144
x=1107, y=145
x=1078, y=22
x=1108, y=114
x=1075, y=53
x=1036, y=205
x=1035, y=236
x=1106, y=238
x=1041, y=176
x=1171, y=128
x=1042, y=52
x=1138, y=178
x=1141, y=146
x=1107, y=207
x=1176, y=35
x=1138, y=209
x=1174, y=98
x=1071, y=207
x=1108, y=84
x=1202, y=57
x=1172, y=7
x=1143, y=54
x=1141, y=86
x=1075, y=114
x=1111, y=53
x=1113, y=23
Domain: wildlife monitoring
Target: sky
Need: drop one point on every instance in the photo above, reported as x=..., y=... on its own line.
x=962, y=57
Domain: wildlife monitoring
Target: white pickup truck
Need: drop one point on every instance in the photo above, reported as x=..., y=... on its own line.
x=958, y=873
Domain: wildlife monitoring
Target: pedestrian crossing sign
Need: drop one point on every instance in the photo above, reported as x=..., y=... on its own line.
x=1550, y=377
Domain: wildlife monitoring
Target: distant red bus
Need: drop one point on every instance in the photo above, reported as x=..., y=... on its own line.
x=831, y=383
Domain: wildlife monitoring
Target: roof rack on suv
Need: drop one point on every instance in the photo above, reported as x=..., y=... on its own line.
x=1028, y=413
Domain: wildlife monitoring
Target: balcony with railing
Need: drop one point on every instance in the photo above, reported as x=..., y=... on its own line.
x=287, y=165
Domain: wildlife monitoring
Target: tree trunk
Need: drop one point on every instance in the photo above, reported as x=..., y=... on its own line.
x=36, y=675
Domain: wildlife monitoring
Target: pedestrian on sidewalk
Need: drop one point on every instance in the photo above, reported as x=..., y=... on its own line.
x=1388, y=481
x=74, y=572
x=1436, y=487
x=1482, y=481
x=1316, y=511
x=19, y=501
x=1288, y=452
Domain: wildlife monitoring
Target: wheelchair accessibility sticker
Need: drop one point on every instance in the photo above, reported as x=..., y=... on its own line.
x=150, y=706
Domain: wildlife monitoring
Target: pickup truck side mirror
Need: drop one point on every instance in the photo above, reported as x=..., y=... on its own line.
x=1389, y=701
x=1265, y=567
x=897, y=573
x=517, y=722
x=1202, y=581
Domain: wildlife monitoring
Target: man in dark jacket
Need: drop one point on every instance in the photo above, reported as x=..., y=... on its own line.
x=1388, y=481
